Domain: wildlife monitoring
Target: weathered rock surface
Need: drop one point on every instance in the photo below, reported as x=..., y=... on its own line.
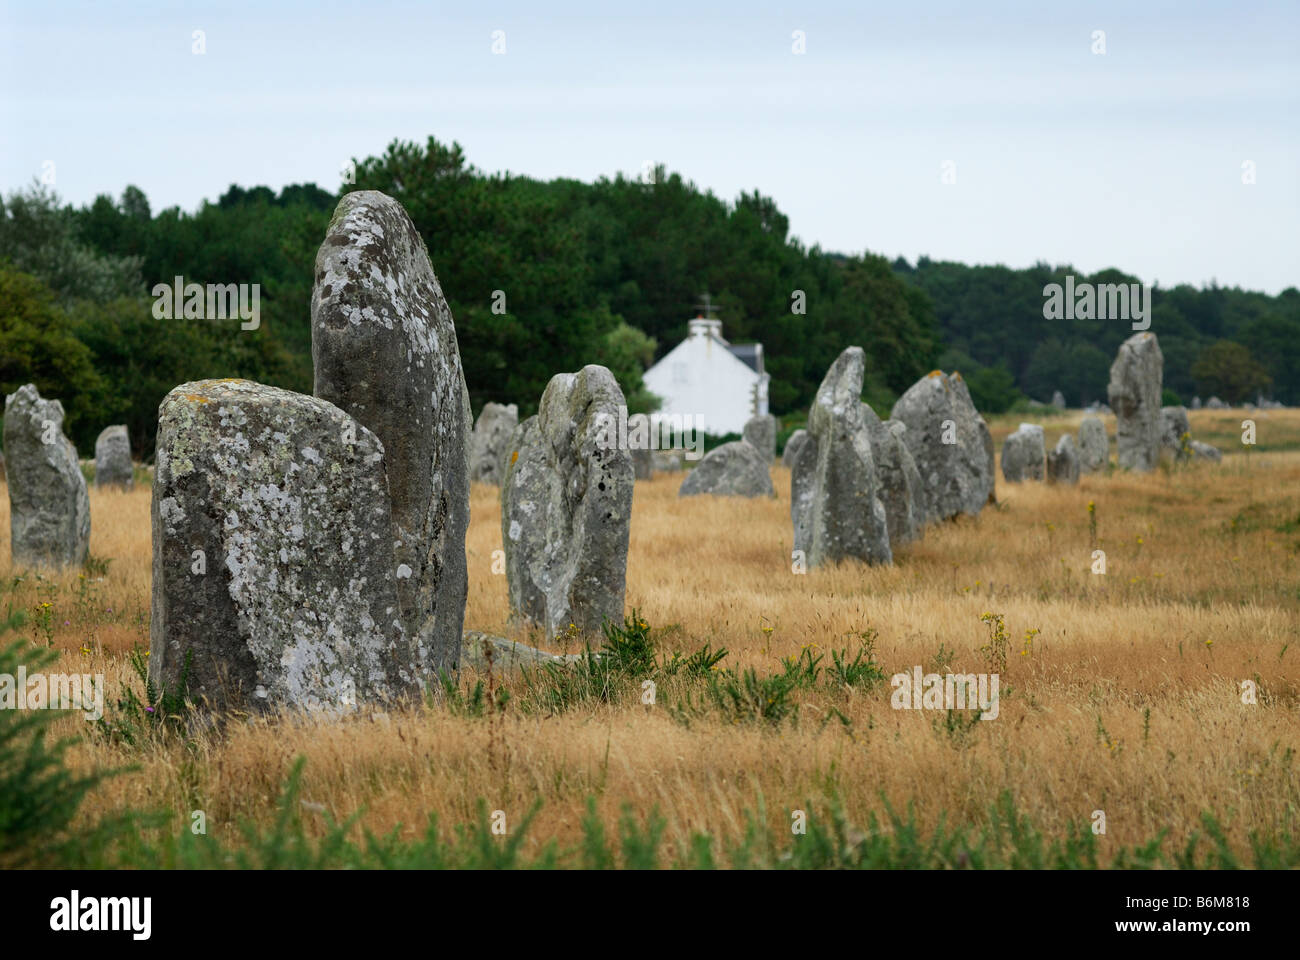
x=1024, y=454
x=1094, y=445
x=566, y=506
x=1063, y=462
x=113, y=467
x=735, y=469
x=385, y=352
x=643, y=457
x=1204, y=451
x=274, y=580
x=490, y=443
x=957, y=475
x=49, y=509
x=669, y=461
x=1058, y=400
x=900, y=487
x=1134, y=393
x=761, y=432
x=792, y=445
x=506, y=655
x=1174, y=425
x=836, y=507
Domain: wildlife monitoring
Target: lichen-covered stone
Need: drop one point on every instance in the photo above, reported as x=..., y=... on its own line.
x=761, y=432
x=900, y=488
x=113, y=467
x=950, y=443
x=835, y=503
x=490, y=444
x=667, y=461
x=1024, y=454
x=505, y=655
x=1063, y=462
x=49, y=509
x=643, y=463
x=1174, y=427
x=643, y=458
x=1094, y=445
x=273, y=571
x=1134, y=394
x=792, y=445
x=566, y=506
x=385, y=352
x=735, y=469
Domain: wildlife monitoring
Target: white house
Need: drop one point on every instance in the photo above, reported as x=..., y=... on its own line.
x=716, y=384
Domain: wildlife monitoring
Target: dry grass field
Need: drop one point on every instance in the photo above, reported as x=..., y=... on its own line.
x=1126, y=698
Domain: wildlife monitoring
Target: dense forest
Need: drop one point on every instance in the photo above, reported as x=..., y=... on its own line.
x=545, y=277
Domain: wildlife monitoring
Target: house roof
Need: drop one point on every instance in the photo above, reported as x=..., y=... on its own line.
x=750, y=354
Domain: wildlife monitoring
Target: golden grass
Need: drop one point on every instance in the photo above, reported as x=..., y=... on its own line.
x=1201, y=593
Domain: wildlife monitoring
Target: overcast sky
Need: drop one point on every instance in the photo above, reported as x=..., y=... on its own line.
x=1132, y=158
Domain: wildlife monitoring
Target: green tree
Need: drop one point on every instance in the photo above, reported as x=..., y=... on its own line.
x=1228, y=371
x=38, y=345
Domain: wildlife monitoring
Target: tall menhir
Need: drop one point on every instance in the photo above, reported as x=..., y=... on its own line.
x=384, y=350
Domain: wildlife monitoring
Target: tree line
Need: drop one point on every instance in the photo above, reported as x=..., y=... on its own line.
x=544, y=277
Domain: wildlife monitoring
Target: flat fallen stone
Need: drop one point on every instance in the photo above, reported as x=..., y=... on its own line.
x=735, y=469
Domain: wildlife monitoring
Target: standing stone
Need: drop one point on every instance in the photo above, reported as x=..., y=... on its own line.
x=643, y=463
x=113, y=467
x=1024, y=454
x=1214, y=403
x=792, y=445
x=385, y=352
x=1174, y=426
x=1063, y=462
x=1134, y=393
x=990, y=460
x=950, y=443
x=735, y=469
x=566, y=506
x=274, y=581
x=1094, y=445
x=49, y=509
x=912, y=474
x=1196, y=403
x=639, y=435
x=835, y=505
x=1058, y=400
x=1204, y=451
x=901, y=490
x=761, y=432
x=669, y=461
x=489, y=445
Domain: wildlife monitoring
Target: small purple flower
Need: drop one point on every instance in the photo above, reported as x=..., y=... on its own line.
x=148, y=709
x=65, y=623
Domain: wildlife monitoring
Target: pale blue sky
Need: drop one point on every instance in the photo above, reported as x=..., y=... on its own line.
x=1130, y=159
